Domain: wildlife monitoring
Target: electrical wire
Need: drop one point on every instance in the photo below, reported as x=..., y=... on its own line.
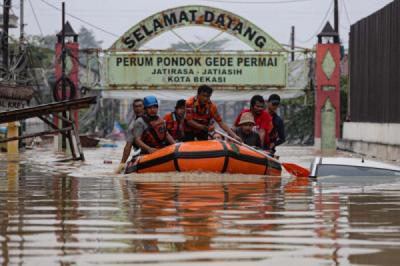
x=81, y=20
x=321, y=25
x=346, y=11
x=16, y=7
x=36, y=18
x=256, y=2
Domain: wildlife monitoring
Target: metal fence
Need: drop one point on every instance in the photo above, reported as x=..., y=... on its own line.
x=374, y=67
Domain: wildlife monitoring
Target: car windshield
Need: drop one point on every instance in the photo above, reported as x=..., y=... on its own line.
x=348, y=170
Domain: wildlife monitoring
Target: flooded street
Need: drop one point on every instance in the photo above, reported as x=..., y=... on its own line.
x=56, y=213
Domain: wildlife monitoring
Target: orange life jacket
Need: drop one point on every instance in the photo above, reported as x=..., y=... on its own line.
x=203, y=116
x=173, y=125
x=155, y=135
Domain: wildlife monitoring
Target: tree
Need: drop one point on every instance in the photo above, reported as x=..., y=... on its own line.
x=216, y=45
x=87, y=39
x=47, y=41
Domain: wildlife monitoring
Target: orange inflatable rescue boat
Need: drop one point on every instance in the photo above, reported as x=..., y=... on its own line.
x=205, y=156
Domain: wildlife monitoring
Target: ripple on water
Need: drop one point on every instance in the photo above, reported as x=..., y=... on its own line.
x=81, y=214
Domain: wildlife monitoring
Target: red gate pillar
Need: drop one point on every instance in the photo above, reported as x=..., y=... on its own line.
x=327, y=96
x=71, y=58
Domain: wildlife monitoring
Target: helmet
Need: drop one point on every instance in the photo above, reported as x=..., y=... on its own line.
x=150, y=101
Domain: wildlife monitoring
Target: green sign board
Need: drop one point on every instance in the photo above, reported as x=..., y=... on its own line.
x=196, y=15
x=166, y=69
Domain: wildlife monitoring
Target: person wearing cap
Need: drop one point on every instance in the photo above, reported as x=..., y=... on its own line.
x=138, y=111
x=150, y=131
x=245, y=130
x=277, y=135
x=200, y=114
x=262, y=119
x=174, y=120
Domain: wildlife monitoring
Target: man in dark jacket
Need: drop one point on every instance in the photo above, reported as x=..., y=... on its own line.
x=277, y=135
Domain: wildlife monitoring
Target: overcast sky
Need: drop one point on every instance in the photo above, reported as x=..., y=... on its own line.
x=117, y=16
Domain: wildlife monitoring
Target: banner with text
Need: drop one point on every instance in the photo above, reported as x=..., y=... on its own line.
x=163, y=69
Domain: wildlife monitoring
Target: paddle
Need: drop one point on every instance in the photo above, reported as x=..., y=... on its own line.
x=292, y=168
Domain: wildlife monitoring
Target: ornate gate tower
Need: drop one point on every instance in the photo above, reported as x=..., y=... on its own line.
x=327, y=104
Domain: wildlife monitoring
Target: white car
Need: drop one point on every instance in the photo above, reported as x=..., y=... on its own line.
x=342, y=166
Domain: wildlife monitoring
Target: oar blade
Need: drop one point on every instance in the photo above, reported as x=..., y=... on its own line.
x=296, y=170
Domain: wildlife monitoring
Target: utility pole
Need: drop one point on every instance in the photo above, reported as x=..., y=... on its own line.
x=63, y=84
x=12, y=146
x=292, y=43
x=6, y=21
x=21, y=21
x=336, y=16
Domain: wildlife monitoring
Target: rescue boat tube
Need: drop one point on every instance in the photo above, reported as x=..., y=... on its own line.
x=205, y=156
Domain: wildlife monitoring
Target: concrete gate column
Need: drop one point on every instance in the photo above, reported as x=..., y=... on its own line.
x=327, y=94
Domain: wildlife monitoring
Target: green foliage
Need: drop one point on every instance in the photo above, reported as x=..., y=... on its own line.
x=41, y=57
x=45, y=42
x=216, y=45
x=299, y=119
x=299, y=115
x=87, y=39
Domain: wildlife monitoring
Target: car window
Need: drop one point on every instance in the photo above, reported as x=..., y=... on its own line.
x=348, y=170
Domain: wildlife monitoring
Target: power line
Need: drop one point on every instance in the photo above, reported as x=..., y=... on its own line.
x=321, y=25
x=346, y=11
x=16, y=7
x=81, y=20
x=256, y=2
x=36, y=18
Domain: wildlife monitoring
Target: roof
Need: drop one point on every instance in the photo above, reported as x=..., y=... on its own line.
x=24, y=93
x=46, y=109
x=328, y=31
x=357, y=162
x=69, y=31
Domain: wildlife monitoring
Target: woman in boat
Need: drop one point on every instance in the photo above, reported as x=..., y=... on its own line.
x=150, y=131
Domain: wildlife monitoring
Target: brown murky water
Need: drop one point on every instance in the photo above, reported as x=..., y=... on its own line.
x=80, y=214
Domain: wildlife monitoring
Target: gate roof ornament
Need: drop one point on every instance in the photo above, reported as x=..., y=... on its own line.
x=196, y=15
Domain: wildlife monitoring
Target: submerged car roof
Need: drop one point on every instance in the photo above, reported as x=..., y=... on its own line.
x=355, y=162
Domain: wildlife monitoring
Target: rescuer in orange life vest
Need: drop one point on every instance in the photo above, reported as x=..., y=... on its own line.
x=174, y=120
x=200, y=111
x=150, y=131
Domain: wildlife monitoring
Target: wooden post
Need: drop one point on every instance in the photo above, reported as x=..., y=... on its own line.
x=12, y=146
x=292, y=44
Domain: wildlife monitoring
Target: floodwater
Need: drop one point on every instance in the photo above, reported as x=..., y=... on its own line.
x=54, y=213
